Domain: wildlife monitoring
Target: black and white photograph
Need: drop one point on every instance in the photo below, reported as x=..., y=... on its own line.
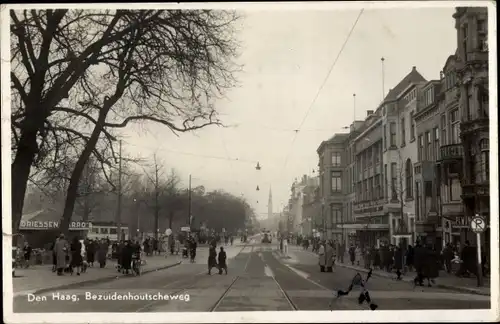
x=250, y=162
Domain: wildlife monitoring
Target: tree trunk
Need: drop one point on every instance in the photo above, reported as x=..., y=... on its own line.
x=20, y=170
x=72, y=191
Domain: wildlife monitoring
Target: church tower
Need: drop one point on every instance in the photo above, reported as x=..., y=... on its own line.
x=270, y=205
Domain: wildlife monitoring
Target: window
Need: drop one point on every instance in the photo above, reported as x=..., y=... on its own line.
x=403, y=132
x=378, y=191
x=113, y=231
x=409, y=179
x=428, y=143
x=429, y=96
x=394, y=180
x=371, y=195
x=417, y=200
x=420, y=148
x=336, y=215
x=443, y=130
x=369, y=157
x=451, y=80
x=428, y=189
x=365, y=188
x=482, y=40
x=455, y=129
x=392, y=127
x=436, y=143
x=104, y=230
x=484, y=145
x=95, y=230
x=465, y=36
x=412, y=127
x=385, y=137
x=376, y=153
x=455, y=189
x=386, y=192
x=336, y=158
x=336, y=181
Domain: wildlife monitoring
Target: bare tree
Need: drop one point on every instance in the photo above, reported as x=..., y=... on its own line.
x=110, y=68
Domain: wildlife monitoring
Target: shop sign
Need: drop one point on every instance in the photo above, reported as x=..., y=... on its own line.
x=48, y=225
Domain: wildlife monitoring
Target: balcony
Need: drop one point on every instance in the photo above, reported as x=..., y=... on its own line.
x=451, y=152
x=471, y=191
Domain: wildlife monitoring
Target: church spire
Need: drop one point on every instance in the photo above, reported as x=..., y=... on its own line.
x=270, y=204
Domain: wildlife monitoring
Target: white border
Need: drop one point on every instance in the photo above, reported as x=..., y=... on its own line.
x=263, y=317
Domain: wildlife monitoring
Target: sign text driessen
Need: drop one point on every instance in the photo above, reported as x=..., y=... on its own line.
x=41, y=225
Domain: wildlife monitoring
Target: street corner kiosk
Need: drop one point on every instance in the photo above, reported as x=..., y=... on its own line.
x=40, y=230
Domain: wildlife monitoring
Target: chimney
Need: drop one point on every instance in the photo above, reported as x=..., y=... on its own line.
x=369, y=113
x=414, y=68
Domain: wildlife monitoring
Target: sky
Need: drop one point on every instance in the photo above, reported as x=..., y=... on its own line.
x=286, y=57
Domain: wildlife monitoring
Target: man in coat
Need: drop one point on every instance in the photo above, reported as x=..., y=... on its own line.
x=222, y=261
x=61, y=251
x=212, y=259
x=325, y=257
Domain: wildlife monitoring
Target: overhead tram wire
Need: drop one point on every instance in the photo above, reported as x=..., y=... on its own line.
x=195, y=154
x=321, y=88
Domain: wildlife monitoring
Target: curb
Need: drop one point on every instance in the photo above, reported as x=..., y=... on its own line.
x=443, y=286
x=92, y=281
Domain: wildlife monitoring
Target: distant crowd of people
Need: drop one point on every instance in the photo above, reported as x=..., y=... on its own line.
x=425, y=260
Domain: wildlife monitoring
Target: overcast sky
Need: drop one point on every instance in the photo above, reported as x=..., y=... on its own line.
x=286, y=57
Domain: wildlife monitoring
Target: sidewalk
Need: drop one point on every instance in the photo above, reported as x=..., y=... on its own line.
x=41, y=278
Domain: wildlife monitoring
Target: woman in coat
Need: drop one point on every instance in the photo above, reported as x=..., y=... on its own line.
x=126, y=257
x=431, y=265
x=61, y=250
x=102, y=253
x=76, y=256
x=91, y=247
x=329, y=257
x=212, y=259
x=321, y=257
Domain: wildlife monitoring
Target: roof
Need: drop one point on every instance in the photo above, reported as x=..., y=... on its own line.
x=411, y=78
x=339, y=138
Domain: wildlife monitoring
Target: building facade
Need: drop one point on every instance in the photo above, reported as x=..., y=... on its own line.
x=449, y=163
x=417, y=168
x=471, y=69
x=332, y=164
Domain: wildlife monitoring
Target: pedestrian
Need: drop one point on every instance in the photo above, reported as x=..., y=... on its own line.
x=222, y=261
x=102, y=251
x=329, y=256
x=126, y=257
x=409, y=258
x=398, y=262
x=321, y=258
x=27, y=254
x=192, y=249
x=54, y=257
x=61, y=250
x=91, y=250
x=232, y=239
x=212, y=259
x=419, y=255
x=352, y=254
x=76, y=256
x=431, y=265
x=447, y=257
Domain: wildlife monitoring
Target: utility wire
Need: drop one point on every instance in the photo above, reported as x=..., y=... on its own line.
x=321, y=88
x=194, y=154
